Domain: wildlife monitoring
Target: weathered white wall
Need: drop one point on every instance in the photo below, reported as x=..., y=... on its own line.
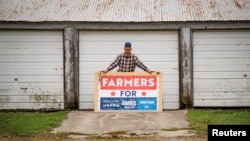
x=157, y=49
x=221, y=68
x=31, y=69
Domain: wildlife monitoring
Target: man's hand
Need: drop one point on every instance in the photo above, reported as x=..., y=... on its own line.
x=104, y=71
x=150, y=71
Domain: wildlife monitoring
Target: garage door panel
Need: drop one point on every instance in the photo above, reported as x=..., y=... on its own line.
x=222, y=54
x=89, y=97
x=170, y=78
x=34, y=105
x=106, y=36
x=220, y=75
x=44, y=85
x=34, y=71
x=222, y=88
x=216, y=81
x=221, y=68
x=21, y=36
x=31, y=58
x=170, y=85
x=223, y=85
x=170, y=92
x=220, y=41
x=41, y=95
x=87, y=86
x=216, y=95
x=91, y=71
x=170, y=98
x=156, y=49
x=171, y=105
x=31, y=78
x=156, y=58
x=222, y=61
x=86, y=105
x=34, y=98
x=222, y=34
x=32, y=48
x=224, y=68
x=88, y=91
x=222, y=103
x=32, y=51
x=208, y=47
x=31, y=69
x=86, y=78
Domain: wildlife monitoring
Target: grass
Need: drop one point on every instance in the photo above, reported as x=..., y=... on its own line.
x=33, y=125
x=23, y=124
x=199, y=119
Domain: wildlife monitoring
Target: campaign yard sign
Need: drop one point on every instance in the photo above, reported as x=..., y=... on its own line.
x=128, y=91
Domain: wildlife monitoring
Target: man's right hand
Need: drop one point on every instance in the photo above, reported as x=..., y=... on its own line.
x=149, y=71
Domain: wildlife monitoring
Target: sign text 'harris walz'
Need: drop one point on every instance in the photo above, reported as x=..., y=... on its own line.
x=128, y=91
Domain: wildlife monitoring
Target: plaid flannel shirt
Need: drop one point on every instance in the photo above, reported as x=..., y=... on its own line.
x=126, y=63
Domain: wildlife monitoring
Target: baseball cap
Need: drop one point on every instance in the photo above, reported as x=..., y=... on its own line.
x=127, y=44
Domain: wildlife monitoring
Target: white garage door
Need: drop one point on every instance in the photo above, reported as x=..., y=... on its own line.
x=221, y=68
x=31, y=69
x=157, y=49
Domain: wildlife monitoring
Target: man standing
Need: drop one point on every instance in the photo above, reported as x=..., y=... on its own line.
x=127, y=61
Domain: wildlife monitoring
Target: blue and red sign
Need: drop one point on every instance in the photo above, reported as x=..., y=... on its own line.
x=128, y=92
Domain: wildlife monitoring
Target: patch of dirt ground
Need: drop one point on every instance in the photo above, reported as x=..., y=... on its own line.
x=78, y=137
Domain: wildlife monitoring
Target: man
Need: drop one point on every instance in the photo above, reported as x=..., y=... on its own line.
x=127, y=61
